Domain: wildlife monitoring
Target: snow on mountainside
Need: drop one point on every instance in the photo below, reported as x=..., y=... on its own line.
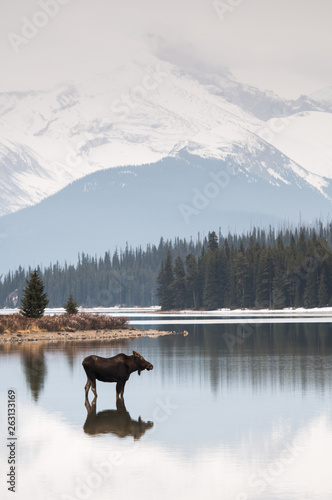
x=306, y=138
x=136, y=115
x=140, y=114
x=324, y=97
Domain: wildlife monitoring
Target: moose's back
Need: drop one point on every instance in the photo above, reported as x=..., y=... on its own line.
x=106, y=369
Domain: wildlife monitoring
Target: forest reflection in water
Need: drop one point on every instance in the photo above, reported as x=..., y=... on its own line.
x=292, y=355
x=231, y=411
x=285, y=354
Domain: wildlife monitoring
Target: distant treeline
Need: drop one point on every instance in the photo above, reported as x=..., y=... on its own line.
x=293, y=270
x=290, y=267
x=126, y=278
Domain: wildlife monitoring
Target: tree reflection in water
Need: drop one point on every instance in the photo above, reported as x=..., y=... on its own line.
x=34, y=366
x=274, y=354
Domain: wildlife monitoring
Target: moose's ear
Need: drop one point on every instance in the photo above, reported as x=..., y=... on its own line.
x=136, y=353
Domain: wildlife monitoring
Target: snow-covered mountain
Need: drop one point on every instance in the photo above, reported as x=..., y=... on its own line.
x=154, y=150
x=142, y=113
x=306, y=138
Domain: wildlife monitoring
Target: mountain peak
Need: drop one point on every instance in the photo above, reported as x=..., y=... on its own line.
x=138, y=114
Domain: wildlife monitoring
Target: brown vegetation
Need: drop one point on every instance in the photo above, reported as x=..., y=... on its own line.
x=13, y=323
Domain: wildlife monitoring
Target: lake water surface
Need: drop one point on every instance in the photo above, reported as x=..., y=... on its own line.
x=230, y=412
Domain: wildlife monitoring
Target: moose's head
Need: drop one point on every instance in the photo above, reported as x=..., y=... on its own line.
x=142, y=364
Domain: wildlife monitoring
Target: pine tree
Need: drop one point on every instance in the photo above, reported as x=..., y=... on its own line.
x=71, y=306
x=161, y=284
x=310, y=292
x=251, y=264
x=211, y=288
x=302, y=245
x=191, y=281
x=201, y=272
x=34, y=300
x=165, y=282
x=242, y=278
x=179, y=285
x=278, y=291
x=213, y=241
x=231, y=290
x=264, y=281
x=323, y=291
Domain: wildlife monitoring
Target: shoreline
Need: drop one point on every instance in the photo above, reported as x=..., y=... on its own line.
x=79, y=335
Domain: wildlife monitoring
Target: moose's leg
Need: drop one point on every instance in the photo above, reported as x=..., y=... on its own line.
x=119, y=389
x=120, y=404
x=87, y=405
x=124, y=383
x=93, y=387
x=87, y=387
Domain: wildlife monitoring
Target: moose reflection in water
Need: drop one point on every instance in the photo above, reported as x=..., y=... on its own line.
x=116, y=369
x=116, y=421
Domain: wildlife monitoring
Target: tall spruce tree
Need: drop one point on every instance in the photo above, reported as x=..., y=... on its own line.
x=311, y=290
x=323, y=291
x=34, y=300
x=179, y=284
x=211, y=297
x=213, y=241
x=263, y=281
x=165, y=282
x=191, y=281
x=278, y=290
x=241, y=273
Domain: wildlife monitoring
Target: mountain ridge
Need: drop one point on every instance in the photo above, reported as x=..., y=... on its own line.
x=139, y=114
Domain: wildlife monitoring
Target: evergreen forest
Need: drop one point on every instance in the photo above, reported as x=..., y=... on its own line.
x=258, y=269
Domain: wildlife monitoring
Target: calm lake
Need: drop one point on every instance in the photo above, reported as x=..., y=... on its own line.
x=230, y=412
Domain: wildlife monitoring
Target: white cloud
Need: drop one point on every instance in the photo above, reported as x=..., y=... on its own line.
x=67, y=464
x=280, y=45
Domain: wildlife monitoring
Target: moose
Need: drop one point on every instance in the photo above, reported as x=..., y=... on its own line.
x=118, y=422
x=116, y=369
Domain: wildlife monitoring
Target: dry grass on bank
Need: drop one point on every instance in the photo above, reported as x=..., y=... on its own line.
x=13, y=323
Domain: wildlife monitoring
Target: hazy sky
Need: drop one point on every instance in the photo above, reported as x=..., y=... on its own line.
x=281, y=45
